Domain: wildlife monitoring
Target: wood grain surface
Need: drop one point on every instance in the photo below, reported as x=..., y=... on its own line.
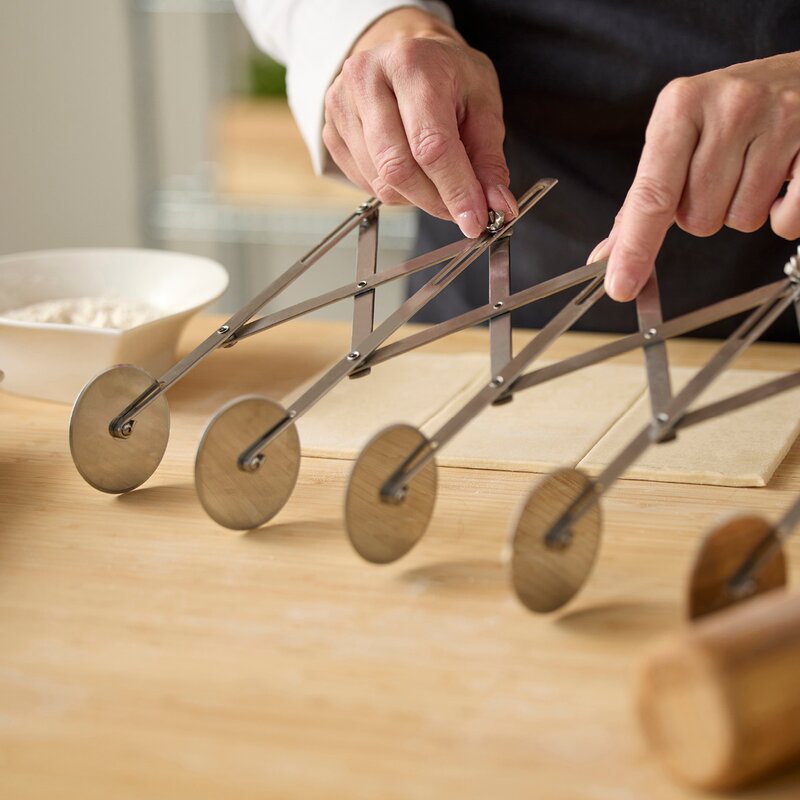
x=146, y=652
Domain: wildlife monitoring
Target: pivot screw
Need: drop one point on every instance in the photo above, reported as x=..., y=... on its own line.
x=662, y=417
x=498, y=304
x=361, y=284
x=496, y=221
x=353, y=356
x=650, y=334
x=792, y=268
x=254, y=464
x=127, y=429
x=223, y=329
x=498, y=380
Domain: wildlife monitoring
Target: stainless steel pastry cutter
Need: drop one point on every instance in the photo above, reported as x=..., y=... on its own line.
x=248, y=458
x=120, y=422
x=740, y=558
x=392, y=488
x=557, y=532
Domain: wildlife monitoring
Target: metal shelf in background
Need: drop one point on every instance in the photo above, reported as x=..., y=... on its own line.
x=194, y=214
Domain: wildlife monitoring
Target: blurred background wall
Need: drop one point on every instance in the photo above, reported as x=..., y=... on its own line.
x=66, y=138
x=156, y=123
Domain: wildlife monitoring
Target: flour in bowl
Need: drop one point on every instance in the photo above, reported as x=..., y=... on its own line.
x=90, y=312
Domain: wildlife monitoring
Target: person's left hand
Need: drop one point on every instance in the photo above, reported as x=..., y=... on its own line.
x=718, y=149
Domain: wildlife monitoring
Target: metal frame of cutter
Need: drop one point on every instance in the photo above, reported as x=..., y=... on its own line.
x=381, y=536
x=765, y=306
x=149, y=390
x=741, y=557
x=227, y=509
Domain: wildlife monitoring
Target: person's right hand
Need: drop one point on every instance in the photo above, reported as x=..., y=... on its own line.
x=415, y=116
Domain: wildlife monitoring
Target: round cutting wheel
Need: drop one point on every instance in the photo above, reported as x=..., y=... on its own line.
x=723, y=551
x=238, y=498
x=382, y=530
x=547, y=575
x=106, y=462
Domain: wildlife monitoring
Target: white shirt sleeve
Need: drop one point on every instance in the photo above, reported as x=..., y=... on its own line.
x=312, y=38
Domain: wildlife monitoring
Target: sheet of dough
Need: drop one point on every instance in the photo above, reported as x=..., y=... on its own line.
x=739, y=449
x=548, y=426
x=410, y=389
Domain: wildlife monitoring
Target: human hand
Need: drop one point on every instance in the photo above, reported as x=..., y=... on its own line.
x=415, y=116
x=718, y=149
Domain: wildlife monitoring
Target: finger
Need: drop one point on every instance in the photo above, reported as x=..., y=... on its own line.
x=384, y=152
x=482, y=133
x=429, y=120
x=600, y=252
x=653, y=198
x=785, y=213
x=603, y=248
x=767, y=165
x=714, y=171
x=342, y=157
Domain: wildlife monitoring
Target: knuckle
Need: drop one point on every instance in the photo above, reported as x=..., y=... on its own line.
x=354, y=68
x=429, y=146
x=330, y=138
x=742, y=98
x=333, y=99
x=787, y=110
x=786, y=225
x=407, y=53
x=633, y=254
x=386, y=194
x=494, y=165
x=680, y=95
x=393, y=166
x=785, y=230
x=745, y=220
x=698, y=223
x=652, y=198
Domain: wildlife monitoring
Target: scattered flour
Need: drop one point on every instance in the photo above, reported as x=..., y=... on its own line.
x=91, y=312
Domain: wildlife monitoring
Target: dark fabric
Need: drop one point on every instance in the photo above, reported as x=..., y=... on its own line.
x=579, y=80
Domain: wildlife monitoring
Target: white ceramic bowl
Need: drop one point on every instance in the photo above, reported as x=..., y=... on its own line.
x=54, y=361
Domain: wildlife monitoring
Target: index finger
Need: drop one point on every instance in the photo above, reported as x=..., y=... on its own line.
x=653, y=199
x=431, y=126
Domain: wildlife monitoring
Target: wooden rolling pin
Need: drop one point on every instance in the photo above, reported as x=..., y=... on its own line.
x=720, y=703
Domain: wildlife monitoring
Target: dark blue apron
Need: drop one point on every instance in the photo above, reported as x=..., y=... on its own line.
x=579, y=80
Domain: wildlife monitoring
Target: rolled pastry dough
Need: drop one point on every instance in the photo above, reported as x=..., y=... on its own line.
x=743, y=448
x=581, y=419
x=551, y=425
x=408, y=389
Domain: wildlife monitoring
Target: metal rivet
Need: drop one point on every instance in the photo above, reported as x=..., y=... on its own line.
x=127, y=428
x=292, y=414
x=361, y=284
x=255, y=463
x=353, y=356
x=792, y=268
x=498, y=304
x=496, y=221
x=650, y=334
x=662, y=417
x=498, y=380
x=224, y=329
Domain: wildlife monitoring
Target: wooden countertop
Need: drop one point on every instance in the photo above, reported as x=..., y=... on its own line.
x=147, y=653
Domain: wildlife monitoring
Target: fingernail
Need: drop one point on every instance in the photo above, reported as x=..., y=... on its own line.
x=508, y=198
x=470, y=225
x=621, y=287
x=598, y=251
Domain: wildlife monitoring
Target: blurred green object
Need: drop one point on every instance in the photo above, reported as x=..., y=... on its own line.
x=267, y=77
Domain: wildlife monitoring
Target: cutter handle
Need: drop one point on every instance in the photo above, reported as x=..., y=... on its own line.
x=720, y=703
